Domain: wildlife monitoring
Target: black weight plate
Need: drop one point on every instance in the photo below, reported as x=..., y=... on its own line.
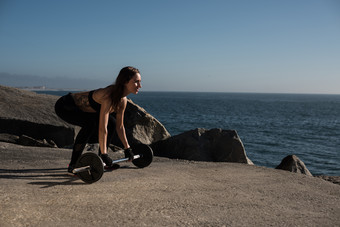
x=96, y=167
x=146, y=154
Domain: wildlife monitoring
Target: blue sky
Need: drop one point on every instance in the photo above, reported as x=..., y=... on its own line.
x=290, y=46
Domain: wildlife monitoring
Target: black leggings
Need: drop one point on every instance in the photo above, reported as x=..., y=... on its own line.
x=67, y=110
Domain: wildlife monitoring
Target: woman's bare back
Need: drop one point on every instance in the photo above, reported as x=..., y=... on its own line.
x=81, y=99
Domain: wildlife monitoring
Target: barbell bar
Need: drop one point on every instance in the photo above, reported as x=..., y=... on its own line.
x=90, y=167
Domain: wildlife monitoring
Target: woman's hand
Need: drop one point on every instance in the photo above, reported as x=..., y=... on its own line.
x=129, y=154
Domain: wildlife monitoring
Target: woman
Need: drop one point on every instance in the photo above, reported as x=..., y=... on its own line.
x=91, y=111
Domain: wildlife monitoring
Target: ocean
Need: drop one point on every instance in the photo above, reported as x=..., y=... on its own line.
x=271, y=126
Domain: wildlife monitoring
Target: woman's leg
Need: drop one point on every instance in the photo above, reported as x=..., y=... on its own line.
x=81, y=140
x=66, y=109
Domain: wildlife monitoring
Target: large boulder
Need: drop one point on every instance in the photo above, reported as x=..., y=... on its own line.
x=27, y=113
x=141, y=127
x=293, y=164
x=200, y=144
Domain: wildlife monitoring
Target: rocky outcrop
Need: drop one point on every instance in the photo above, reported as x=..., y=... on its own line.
x=333, y=179
x=293, y=164
x=27, y=113
x=28, y=141
x=215, y=145
x=8, y=138
x=141, y=127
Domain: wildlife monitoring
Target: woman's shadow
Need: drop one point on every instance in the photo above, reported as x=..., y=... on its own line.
x=44, y=177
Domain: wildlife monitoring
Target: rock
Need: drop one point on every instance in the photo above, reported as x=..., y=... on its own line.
x=215, y=145
x=333, y=179
x=28, y=141
x=27, y=113
x=293, y=164
x=141, y=127
x=8, y=138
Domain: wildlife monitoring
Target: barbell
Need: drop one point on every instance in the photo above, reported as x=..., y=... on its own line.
x=90, y=167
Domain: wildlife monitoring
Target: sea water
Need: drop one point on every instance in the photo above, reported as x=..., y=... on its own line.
x=271, y=126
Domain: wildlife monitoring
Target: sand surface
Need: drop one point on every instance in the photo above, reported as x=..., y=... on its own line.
x=35, y=191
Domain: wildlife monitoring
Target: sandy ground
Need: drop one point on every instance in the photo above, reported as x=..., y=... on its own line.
x=35, y=191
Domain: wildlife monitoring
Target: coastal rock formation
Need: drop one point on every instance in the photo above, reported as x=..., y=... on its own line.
x=27, y=113
x=333, y=179
x=28, y=141
x=293, y=164
x=141, y=127
x=200, y=144
x=8, y=138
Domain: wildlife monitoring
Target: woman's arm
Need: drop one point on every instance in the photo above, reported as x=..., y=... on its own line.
x=103, y=121
x=120, y=123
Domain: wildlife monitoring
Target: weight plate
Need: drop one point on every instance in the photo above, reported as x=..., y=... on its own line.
x=146, y=154
x=96, y=167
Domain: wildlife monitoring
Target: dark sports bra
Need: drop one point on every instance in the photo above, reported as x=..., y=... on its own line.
x=96, y=106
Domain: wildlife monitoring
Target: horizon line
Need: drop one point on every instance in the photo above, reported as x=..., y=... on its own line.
x=43, y=88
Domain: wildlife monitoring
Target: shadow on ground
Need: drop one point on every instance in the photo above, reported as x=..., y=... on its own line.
x=43, y=177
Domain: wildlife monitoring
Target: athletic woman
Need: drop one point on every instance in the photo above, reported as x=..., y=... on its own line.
x=92, y=112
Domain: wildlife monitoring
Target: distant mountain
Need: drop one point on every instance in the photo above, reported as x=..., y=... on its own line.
x=15, y=80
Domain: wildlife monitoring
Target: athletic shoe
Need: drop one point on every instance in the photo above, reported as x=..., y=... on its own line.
x=70, y=169
x=112, y=167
